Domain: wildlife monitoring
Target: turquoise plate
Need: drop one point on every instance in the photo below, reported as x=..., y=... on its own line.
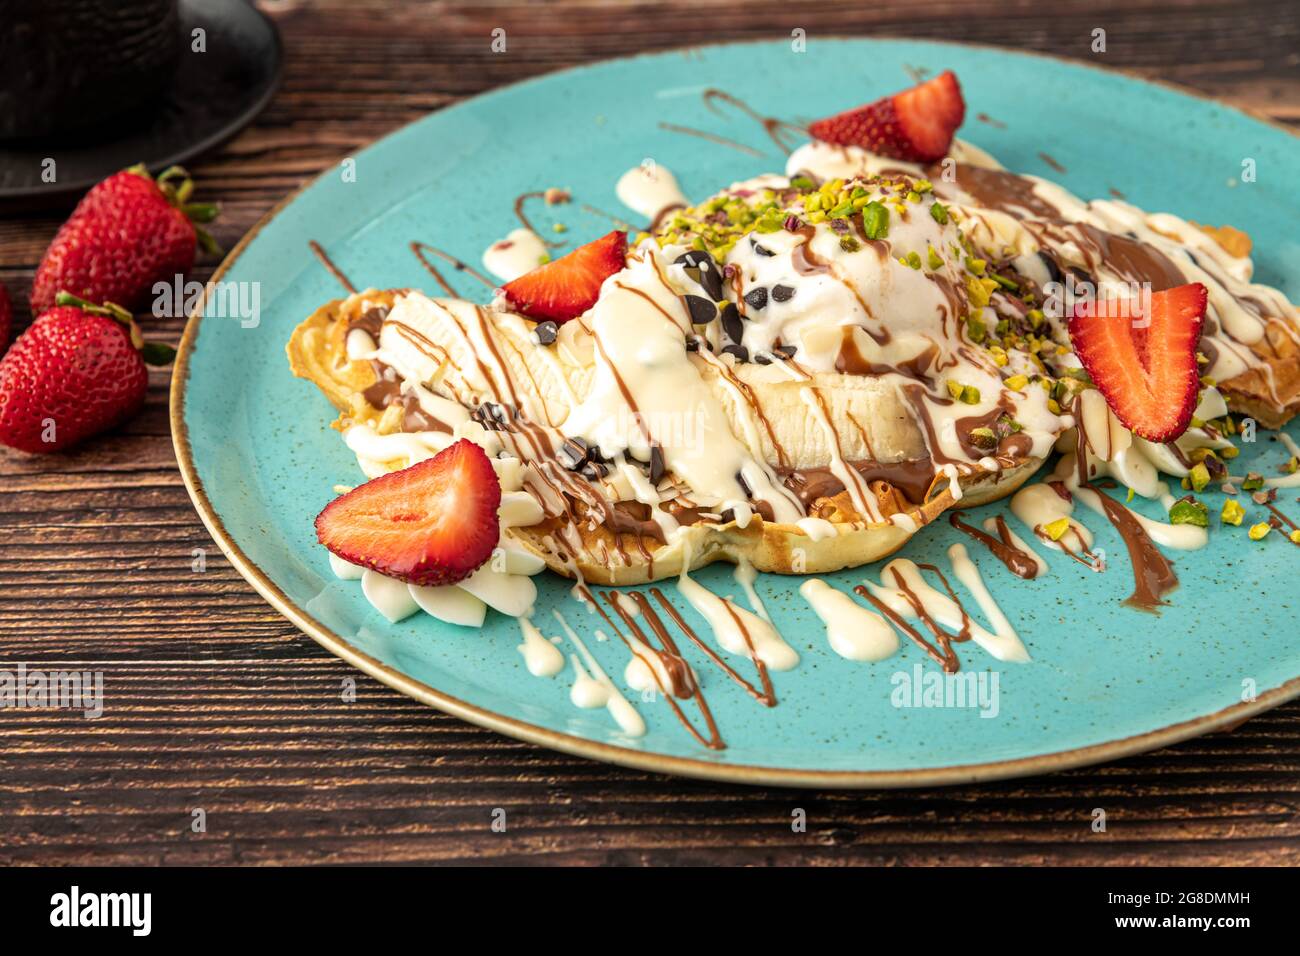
x=1105, y=681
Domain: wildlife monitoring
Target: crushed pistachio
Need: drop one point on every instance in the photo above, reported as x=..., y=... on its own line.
x=875, y=220
x=1199, y=477
x=1056, y=529
x=1232, y=451
x=849, y=244
x=976, y=329
x=1190, y=511
x=939, y=213
x=1232, y=512
x=970, y=395
x=1254, y=481
x=1292, y=465
x=984, y=438
x=933, y=259
x=1294, y=537
x=912, y=259
x=1016, y=382
x=1259, y=531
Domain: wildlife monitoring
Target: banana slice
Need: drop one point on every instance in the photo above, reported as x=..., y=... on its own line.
x=457, y=357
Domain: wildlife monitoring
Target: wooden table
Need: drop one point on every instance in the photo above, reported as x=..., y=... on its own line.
x=216, y=702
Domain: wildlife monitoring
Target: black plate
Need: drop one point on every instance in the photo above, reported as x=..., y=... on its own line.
x=213, y=96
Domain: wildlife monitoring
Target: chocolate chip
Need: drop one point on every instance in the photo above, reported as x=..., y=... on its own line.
x=762, y=359
x=761, y=250
x=782, y=293
x=702, y=310
x=693, y=343
x=656, y=464
x=492, y=416
x=786, y=350
x=594, y=470
x=711, y=280
x=1053, y=270
x=546, y=332
x=744, y=485
x=739, y=352
x=732, y=326
x=693, y=258
x=574, y=453
x=756, y=298
x=699, y=265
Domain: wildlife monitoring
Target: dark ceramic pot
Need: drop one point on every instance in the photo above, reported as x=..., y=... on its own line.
x=83, y=68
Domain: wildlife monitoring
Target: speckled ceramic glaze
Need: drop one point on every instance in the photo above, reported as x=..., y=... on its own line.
x=1105, y=680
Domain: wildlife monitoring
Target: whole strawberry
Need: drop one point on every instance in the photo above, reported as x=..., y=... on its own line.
x=6, y=317
x=126, y=234
x=77, y=370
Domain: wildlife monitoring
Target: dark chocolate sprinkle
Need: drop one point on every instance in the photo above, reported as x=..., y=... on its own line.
x=699, y=265
x=744, y=485
x=732, y=326
x=756, y=298
x=693, y=258
x=546, y=332
x=761, y=250
x=740, y=353
x=656, y=464
x=492, y=416
x=1053, y=269
x=574, y=453
x=782, y=293
x=702, y=310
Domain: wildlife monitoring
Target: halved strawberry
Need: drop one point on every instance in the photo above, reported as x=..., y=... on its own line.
x=433, y=523
x=1146, y=372
x=916, y=125
x=566, y=288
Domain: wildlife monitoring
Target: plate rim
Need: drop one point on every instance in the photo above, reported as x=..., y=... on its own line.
x=698, y=768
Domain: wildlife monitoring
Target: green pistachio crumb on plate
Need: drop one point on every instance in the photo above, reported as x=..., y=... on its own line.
x=1232, y=513
x=1190, y=511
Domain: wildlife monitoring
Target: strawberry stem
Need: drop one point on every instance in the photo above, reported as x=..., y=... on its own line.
x=177, y=187
x=110, y=309
x=200, y=211
x=157, y=353
x=207, y=243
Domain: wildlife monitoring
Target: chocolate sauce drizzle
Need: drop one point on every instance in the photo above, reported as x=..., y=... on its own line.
x=1018, y=562
x=682, y=684
x=521, y=214
x=422, y=248
x=776, y=129
x=941, y=651
x=328, y=263
x=1153, y=573
x=711, y=137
